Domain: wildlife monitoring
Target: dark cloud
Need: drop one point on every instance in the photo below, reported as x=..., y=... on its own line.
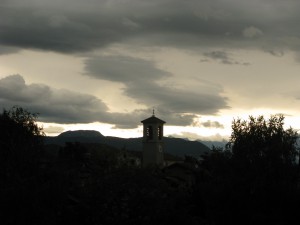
x=54, y=105
x=145, y=84
x=64, y=106
x=177, y=99
x=222, y=57
x=76, y=26
x=123, y=69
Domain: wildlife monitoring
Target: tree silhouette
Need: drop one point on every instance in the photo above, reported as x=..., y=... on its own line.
x=20, y=142
x=264, y=152
x=255, y=178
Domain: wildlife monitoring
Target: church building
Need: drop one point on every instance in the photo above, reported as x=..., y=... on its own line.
x=153, y=149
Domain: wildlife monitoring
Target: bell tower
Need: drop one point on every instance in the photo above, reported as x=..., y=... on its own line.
x=153, y=152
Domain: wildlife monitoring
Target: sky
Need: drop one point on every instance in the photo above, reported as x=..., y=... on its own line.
x=106, y=64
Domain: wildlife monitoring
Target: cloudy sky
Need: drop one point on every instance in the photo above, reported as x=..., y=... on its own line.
x=105, y=64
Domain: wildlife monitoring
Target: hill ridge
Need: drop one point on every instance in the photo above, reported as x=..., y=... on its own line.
x=175, y=146
x=81, y=133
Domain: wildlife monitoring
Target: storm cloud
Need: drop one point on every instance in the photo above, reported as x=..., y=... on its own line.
x=54, y=105
x=145, y=83
x=183, y=58
x=64, y=106
x=123, y=69
x=79, y=26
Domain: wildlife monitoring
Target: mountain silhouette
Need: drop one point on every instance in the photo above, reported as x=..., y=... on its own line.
x=175, y=146
x=81, y=133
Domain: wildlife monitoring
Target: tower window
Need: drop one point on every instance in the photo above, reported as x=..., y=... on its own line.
x=159, y=132
x=149, y=133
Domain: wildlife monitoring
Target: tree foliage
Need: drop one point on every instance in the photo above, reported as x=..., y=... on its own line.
x=249, y=182
x=19, y=124
x=20, y=141
x=260, y=140
x=264, y=152
x=255, y=177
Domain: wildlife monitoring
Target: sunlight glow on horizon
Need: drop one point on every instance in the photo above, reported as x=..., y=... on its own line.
x=196, y=132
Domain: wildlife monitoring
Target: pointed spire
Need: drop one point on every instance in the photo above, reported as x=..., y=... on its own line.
x=153, y=112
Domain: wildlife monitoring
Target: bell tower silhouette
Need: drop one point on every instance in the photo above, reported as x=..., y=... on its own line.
x=153, y=152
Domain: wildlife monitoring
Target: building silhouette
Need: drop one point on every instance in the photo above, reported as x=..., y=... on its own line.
x=153, y=146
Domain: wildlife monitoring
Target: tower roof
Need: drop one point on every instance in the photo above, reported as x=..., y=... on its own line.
x=152, y=119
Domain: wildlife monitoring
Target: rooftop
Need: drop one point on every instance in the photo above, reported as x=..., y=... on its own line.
x=153, y=119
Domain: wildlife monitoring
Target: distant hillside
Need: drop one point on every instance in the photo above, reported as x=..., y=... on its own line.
x=174, y=146
x=81, y=133
x=214, y=143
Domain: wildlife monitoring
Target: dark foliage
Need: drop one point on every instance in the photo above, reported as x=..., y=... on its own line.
x=254, y=180
x=20, y=144
x=81, y=183
x=264, y=152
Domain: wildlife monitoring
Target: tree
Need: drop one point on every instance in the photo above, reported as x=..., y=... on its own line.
x=263, y=151
x=255, y=178
x=20, y=142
